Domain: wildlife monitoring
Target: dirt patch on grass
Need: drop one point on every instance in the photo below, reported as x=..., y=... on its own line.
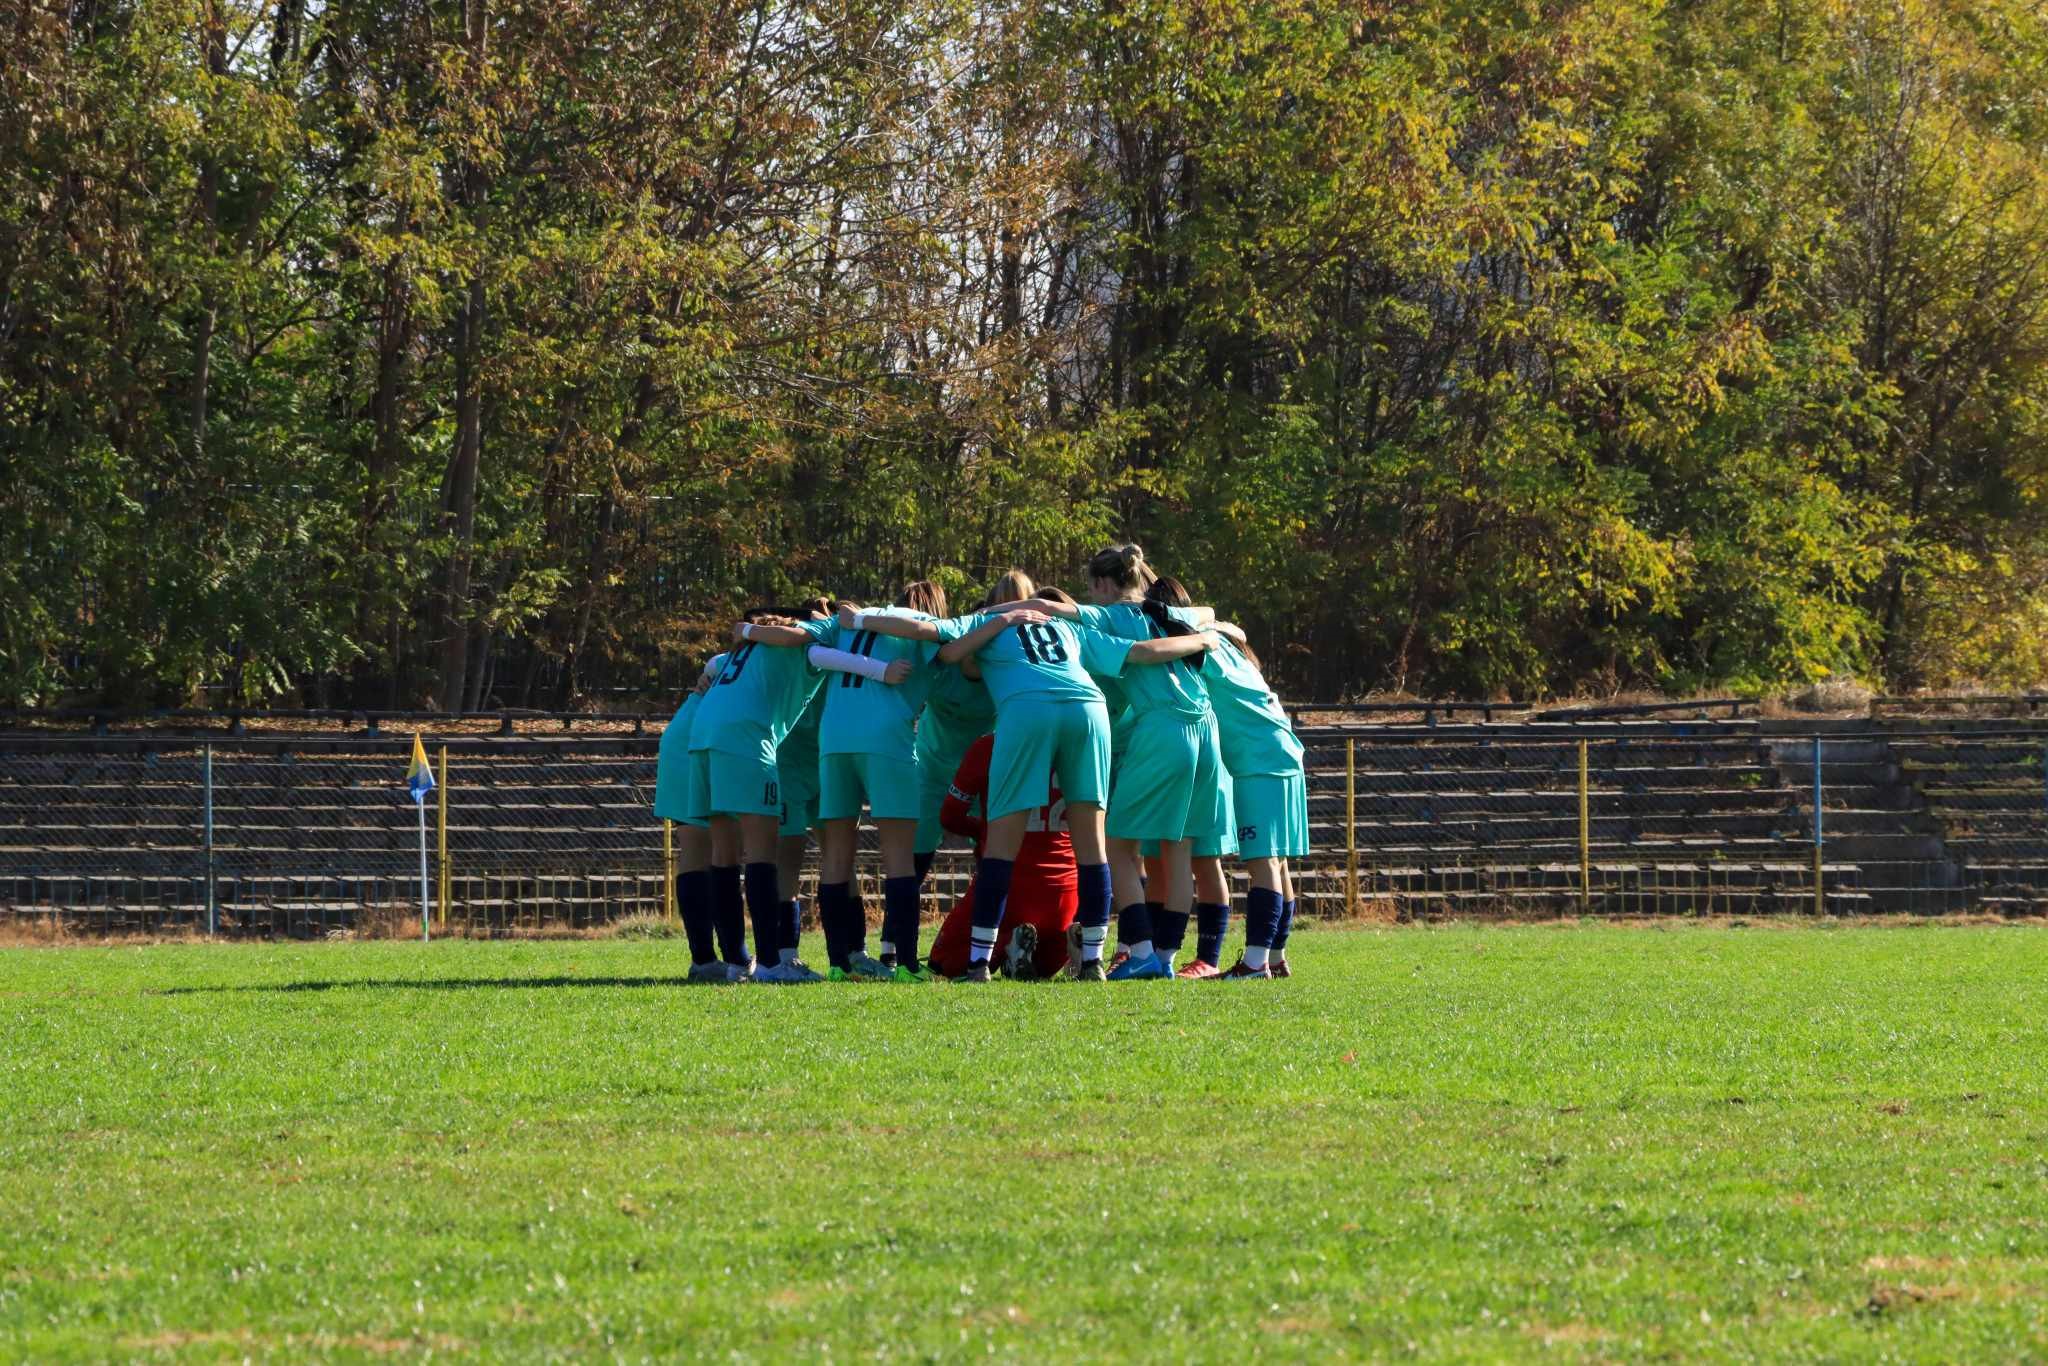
x=1560, y=1334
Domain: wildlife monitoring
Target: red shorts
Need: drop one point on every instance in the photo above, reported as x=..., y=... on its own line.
x=1049, y=909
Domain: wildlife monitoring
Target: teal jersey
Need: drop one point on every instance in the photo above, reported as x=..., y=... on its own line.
x=868, y=716
x=1252, y=725
x=758, y=696
x=1175, y=686
x=1045, y=659
x=800, y=746
x=957, y=712
x=669, y=781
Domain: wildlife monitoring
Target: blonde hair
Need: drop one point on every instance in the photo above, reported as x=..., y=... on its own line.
x=1012, y=585
x=923, y=596
x=1051, y=594
x=1123, y=565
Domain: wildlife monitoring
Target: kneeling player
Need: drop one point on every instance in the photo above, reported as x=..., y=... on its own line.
x=1044, y=887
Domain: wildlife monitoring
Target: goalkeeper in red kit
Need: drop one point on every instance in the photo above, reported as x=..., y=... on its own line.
x=1044, y=889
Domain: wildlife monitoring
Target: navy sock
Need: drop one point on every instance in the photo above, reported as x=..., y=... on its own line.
x=763, y=892
x=835, y=912
x=991, y=890
x=1091, y=912
x=1134, y=924
x=789, y=920
x=899, y=918
x=1261, y=917
x=1212, y=923
x=693, y=904
x=924, y=865
x=729, y=914
x=1286, y=925
x=1169, y=931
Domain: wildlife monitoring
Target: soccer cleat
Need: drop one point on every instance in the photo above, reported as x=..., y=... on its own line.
x=976, y=972
x=1074, y=941
x=1198, y=970
x=835, y=973
x=802, y=971
x=903, y=974
x=1245, y=972
x=1119, y=958
x=1021, y=964
x=1090, y=971
x=788, y=974
x=716, y=972
x=1140, y=970
x=860, y=967
x=1278, y=967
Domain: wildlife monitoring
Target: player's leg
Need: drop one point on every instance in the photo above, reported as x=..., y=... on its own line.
x=892, y=791
x=728, y=905
x=1083, y=765
x=1276, y=962
x=840, y=800
x=1020, y=781
x=1209, y=832
x=1152, y=797
x=948, y=957
x=1212, y=911
x=693, y=902
x=790, y=846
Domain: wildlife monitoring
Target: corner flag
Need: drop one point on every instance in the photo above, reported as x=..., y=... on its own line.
x=419, y=778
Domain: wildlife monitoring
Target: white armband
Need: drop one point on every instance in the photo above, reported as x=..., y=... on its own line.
x=746, y=630
x=846, y=662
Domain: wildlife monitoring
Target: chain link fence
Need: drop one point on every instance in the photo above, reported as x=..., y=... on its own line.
x=303, y=836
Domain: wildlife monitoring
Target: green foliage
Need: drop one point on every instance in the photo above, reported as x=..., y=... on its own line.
x=387, y=353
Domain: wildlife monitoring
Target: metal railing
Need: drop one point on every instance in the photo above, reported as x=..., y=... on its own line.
x=313, y=834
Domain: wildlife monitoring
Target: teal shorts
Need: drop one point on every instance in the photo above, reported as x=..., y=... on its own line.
x=1223, y=845
x=695, y=788
x=1167, y=783
x=733, y=785
x=1041, y=738
x=886, y=785
x=1272, y=816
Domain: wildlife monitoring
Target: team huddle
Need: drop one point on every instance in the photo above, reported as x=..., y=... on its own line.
x=1103, y=756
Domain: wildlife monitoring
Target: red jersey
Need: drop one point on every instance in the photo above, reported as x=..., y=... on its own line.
x=1044, y=889
x=1046, y=857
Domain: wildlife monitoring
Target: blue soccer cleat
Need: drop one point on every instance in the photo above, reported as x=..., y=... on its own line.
x=1140, y=970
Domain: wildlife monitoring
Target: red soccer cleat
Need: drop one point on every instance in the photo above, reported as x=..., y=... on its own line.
x=1197, y=970
x=1244, y=972
x=1123, y=956
x=1278, y=967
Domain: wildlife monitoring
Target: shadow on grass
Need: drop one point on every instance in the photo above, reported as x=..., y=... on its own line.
x=434, y=984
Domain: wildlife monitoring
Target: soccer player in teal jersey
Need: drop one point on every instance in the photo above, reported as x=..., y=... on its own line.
x=1269, y=797
x=1169, y=774
x=796, y=768
x=1050, y=722
x=750, y=707
x=867, y=759
x=957, y=712
x=693, y=840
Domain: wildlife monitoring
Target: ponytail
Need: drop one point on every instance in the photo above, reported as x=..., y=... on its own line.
x=1123, y=565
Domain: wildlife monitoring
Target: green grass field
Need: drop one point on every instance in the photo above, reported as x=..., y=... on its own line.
x=1473, y=1143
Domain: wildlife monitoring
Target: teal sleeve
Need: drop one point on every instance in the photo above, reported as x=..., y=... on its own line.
x=952, y=628
x=1101, y=654
x=1095, y=618
x=822, y=631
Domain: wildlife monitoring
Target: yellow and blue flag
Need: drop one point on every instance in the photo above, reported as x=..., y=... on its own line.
x=419, y=778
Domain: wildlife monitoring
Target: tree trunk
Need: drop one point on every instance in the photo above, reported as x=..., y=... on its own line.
x=459, y=508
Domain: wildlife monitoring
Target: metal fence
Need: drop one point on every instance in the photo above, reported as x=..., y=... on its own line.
x=297, y=835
